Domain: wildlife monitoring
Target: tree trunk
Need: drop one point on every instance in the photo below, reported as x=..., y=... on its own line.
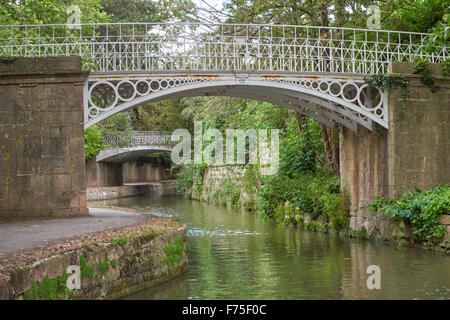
x=299, y=117
x=330, y=144
x=331, y=147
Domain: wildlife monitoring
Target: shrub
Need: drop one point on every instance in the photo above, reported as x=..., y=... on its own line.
x=93, y=141
x=420, y=210
x=316, y=194
x=299, y=152
x=190, y=179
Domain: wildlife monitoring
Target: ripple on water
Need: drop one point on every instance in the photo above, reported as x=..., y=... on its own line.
x=199, y=232
x=234, y=256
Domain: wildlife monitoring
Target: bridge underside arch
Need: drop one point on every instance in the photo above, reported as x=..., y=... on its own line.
x=122, y=154
x=331, y=100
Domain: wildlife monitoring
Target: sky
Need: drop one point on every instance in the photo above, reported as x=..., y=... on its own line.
x=217, y=4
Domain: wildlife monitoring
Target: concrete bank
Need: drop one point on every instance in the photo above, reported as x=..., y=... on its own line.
x=166, y=187
x=111, y=262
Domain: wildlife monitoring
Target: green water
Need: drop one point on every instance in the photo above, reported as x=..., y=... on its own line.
x=232, y=255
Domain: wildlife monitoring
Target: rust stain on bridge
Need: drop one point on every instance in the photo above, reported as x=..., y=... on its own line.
x=160, y=76
x=314, y=78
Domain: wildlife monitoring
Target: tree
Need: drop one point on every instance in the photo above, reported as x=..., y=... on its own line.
x=147, y=11
x=93, y=141
x=421, y=16
x=310, y=12
x=417, y=16
x=159, y=116
x=28, y=12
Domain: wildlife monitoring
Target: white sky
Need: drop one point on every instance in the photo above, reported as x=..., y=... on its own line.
x=217, y=4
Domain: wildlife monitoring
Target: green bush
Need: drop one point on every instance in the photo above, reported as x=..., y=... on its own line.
x=189, y=179
x=420, y=210
x=117, y=123
x=300, y=152
x=93, y=141
x=446, y=67
x=316, y=194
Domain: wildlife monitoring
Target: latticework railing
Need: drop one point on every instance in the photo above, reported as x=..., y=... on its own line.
x=125, y=139
x=197, y=46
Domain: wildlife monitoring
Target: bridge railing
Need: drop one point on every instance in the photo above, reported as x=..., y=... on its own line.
x=201, y=46
x=137, y=138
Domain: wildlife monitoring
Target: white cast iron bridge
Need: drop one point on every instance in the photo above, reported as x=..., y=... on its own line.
x=127, y=145
x=317, y=71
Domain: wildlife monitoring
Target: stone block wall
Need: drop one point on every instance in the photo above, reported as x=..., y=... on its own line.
x=110, y=174
x=42, y=167
x=162, y=188
x=140, y=171
x=419, y=134
x=103, y=174
x=363, y=176
x=133, y=265
x=413, y=152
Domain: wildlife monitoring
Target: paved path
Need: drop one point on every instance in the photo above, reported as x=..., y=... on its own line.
x=20, y=235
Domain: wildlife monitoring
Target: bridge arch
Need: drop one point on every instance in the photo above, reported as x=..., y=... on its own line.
x=128, y=145
x=329, y=99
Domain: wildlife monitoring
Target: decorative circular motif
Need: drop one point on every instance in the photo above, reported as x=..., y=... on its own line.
x=346, y=96
x=164, y=84
x=139, y=85
x=133, y=90
x=355, y=91
x=155, y=85
x=323, y=86
x=102, y=82
x=335, y=89
x=361, y=92
x=93, y=111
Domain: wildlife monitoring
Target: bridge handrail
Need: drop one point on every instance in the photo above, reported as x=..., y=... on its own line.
x=216, y=24
x=144, y=46
x=137, y=138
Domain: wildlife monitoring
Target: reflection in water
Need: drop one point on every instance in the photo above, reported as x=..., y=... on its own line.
x=234, y=256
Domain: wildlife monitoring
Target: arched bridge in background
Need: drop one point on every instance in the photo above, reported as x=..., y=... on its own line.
x=317, y=71
x=130, y=145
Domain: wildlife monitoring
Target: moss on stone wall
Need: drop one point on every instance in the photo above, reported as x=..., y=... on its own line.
x=49, y=289
x=117, y=269
x=174, y=252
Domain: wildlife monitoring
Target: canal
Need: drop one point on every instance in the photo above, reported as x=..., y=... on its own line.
x=232, y=255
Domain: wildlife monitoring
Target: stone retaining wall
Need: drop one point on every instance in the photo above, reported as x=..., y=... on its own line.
x=138, y=171
x=105, y=193
x=117, y=268
x=379, y=225
x=413, y=152
x=42, y=169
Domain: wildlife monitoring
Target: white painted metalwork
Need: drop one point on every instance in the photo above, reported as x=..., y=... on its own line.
x=314, y=70
x=137, y=138
x=126, y=145
x=208, y=46
x=328, y=98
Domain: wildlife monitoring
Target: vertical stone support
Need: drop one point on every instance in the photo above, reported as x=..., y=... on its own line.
x=413, y=152
x=419, y=133
x=103, y=174
x=42, y=166
x=109, y=174
x=141, y=171
x=363, y=174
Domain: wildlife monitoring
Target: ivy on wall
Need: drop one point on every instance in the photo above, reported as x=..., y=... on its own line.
x=422, y=68
x=419, y=209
